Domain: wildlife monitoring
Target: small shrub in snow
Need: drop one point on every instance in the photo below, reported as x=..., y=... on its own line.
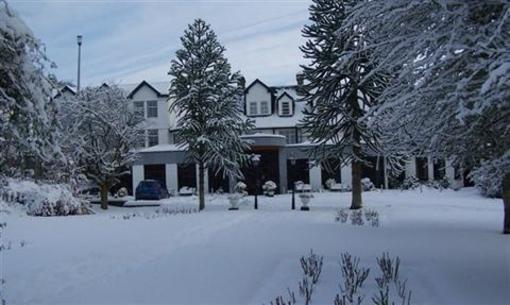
x=342, y=215
x=390, y=279
x=367, y=185
x=330, y=182
x=372, y=217
x=410, y=183
x=269, y=186
x=122, y=192
x=312, y=266
x=357, y=218
x=353, y=278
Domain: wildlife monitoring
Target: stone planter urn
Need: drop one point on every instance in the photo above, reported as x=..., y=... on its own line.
x=305, y=200
x=234, y=201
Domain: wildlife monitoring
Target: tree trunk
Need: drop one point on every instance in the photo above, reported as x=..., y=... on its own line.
x=104, y=188
x=506, y=201
x=201, y=178
x=356, y=185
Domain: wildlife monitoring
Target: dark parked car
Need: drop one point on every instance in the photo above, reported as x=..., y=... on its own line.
x=151, y=190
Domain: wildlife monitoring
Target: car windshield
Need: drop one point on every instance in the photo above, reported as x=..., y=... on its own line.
x=149, y=184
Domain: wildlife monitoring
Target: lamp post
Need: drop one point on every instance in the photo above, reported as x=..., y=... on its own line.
x=293, y=163
x=79, y=40
x=256, y=161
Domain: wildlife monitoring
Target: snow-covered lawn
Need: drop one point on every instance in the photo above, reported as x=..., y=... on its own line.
x=449, y=242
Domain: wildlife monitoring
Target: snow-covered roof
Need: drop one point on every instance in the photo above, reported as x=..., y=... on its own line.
x=163, y=148
x=160, y=87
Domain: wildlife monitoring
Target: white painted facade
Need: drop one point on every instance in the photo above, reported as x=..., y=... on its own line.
x=263, y=104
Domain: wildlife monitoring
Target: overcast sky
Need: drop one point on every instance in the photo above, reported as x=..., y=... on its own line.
x=129, y=41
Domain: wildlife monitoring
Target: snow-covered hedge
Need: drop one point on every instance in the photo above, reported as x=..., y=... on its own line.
x=47, y=199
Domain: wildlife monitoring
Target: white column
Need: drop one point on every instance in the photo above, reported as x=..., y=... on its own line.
x=430, y=167
x=346, y=174
x=315, y=178
x=206, y=179
x=138, y=175
x=172, y=184
x=411, y=167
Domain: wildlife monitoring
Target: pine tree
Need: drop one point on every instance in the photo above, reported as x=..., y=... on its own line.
x=449, y=96
x=206, y=98
x=334, y=90
x=27, y=125
x=100, y=134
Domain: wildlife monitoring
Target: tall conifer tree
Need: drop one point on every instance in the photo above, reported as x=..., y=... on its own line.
x=206, y=98
x=338, y=99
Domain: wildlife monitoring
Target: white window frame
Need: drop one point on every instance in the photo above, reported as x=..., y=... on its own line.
x=288, y=104
x=289, y=133
x=152, y=134
x=152, y=109
x=268, y=108
x=139, y=109
x=252, y=106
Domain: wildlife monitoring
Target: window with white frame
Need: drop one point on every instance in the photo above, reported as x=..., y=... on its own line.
x=152, y=109
x=253, y=108
x=289, y=133
x=139, y=110
x=285, y=108
x=152, y=137
x=264, y=107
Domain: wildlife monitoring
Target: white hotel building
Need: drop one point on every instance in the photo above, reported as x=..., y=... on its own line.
x=278, y=139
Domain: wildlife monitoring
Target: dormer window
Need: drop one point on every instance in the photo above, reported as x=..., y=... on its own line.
x=285, y=105
x=285, y=108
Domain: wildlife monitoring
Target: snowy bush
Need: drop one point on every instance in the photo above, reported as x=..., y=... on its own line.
x=330, y=182
x=342, y=215
x=48, y=199
x=410, y=183
x=269, y=187
x=354, y=277
x=240, y=187
x=357, y=218
x=122, y=192
x=389, y=279
x=372, y=217
x=489, y=176
x=312, y=268
x=367, y=185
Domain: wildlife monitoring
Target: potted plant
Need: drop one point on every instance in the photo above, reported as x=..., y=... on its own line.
x=305, y=200
x=235, y=197
x=269, y=188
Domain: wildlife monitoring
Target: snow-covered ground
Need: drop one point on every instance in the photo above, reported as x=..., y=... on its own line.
x=449, y=242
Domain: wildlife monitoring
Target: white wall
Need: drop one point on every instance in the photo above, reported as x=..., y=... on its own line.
x=162, y=122
x=138, y=175
x=346, y=174
x=171, y=178
x=315, y=178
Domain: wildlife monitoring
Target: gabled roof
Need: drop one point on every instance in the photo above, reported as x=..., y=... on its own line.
x=258, y=81
x=145, y=83
x=64, y=89
x=285, y=94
